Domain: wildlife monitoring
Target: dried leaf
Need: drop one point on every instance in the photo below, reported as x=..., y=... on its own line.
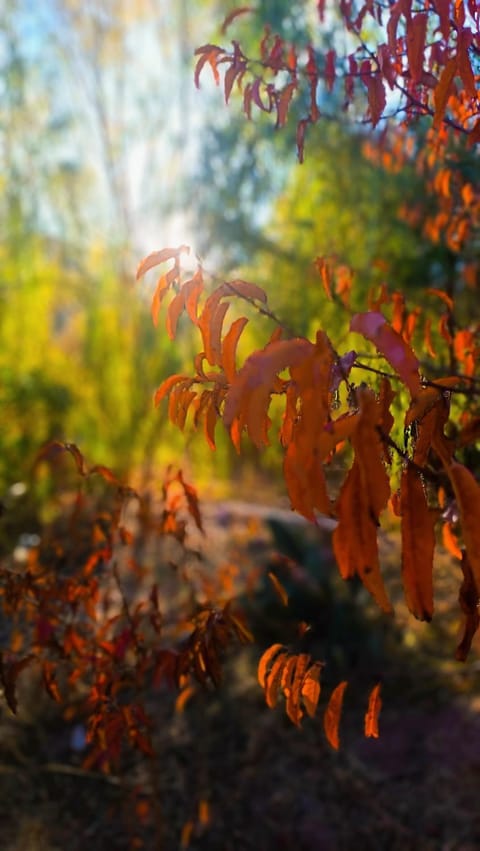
x=331, y=718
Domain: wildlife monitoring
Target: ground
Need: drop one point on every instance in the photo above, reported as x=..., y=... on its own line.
x=231, y=774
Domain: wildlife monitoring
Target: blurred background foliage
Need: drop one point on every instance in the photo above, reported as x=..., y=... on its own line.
x=107, y=152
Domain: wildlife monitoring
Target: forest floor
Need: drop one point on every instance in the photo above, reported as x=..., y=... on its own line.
x=231, y=774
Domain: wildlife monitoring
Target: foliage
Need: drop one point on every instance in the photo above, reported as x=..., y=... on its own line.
x=73, y=609
x=426, y=62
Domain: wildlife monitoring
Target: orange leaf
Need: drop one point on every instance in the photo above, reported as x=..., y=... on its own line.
x=395, y=350
x=168, y=384
x=467, y=492
x=450, y=541
x=282, y=594
x=448, y=300
x=373, y=711
x=311, y=689
x=160, y=290
x=266, y=660
x=273, y=679
x=229, y=347
x=158, y=257
x=175, y=309
x=293, y=707
x=331, y=718
x=418, y=544
x=442, y=91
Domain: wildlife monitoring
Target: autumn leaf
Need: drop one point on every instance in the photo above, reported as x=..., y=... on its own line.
x=282, y=594
x=390, y=344
x=310, y=690
x=273, y=679
x=416, y=33
x=468, y=599
x=373, y=711
x=418, y=544
x=376, y=96
x=157, y=257
x=266, y=661
x=442, y=91
x=241, y=10
x=331, y=718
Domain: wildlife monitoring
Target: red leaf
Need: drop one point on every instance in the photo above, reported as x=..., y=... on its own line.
x=376, y=97
x=416, y=33
x=374, y=327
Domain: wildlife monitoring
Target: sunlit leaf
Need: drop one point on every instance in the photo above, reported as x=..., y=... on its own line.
x=372, y=713
x=331, y=718
x=418, y=544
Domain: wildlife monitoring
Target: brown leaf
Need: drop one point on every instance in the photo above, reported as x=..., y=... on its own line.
x=468, y=598
x=376, y=97
x=416, y=33
x=418, y=544
x=331, y=718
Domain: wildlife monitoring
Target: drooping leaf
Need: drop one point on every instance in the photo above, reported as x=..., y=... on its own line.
x=467, y=492
x=266, y=661
x=273, y=679
x=390, y=344
x=372, y=713
x=442, y=91
x=416, y=34
x=293, y=707
x=311, y=689
x=468, y=599
x=157, y=257
x=281, y=592
x=229, y=347
x=331, y=718
x=418, y=544
x=235, y=13
x=376, y=96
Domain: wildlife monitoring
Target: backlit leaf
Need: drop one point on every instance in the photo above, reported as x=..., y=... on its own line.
x=390, y=344
x=274, y=678
x=442, y=91
x=157, y=257
x=266, y=661
x=229, y=347
x=373, y=711
x=331, y=718
x=310, y=690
